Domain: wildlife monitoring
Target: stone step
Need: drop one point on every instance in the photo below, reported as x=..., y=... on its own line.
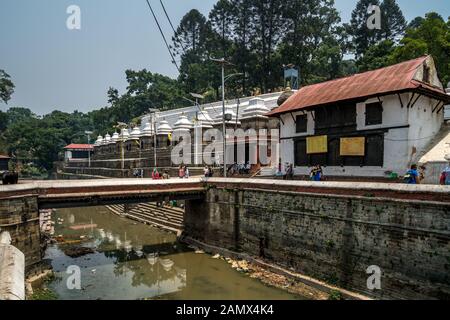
x=155, y=224
x=154, y=220
x=159, y=214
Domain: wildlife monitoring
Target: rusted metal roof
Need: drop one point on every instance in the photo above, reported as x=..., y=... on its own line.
x=396, y=78
x=80, y=146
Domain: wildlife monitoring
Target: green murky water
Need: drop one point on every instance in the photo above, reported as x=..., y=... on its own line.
x=134, y=261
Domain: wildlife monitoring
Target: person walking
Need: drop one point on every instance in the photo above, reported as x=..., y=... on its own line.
x=206, y=171
x=186, y=172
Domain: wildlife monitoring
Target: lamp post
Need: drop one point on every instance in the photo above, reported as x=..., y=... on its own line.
x=223, y=62
x=88, y=133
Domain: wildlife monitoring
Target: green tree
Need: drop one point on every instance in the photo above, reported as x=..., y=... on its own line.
x=430, y=36
x=393, y=23
x=313, y=41
x=377, y=56
x=361, y=36
x=6, y=87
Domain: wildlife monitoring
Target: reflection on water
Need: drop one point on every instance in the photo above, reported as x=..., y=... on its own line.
x=134, y=261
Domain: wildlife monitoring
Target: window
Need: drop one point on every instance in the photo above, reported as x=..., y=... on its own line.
x=374, y=151
x=335, y=119
x=301, y=158
x=301, y=123
x=374, y=113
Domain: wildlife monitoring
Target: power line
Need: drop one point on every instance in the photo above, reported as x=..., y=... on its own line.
x=171, y=24
x=164, y=37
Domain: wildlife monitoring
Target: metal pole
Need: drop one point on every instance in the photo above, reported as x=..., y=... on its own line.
x=89, y=150
x=223, y=122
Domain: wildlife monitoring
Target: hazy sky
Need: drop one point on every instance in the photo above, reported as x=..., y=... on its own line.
x=56, y=68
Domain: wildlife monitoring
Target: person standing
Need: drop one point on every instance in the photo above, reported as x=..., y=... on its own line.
x=412, y=176
x=186, y=172
x=181, y=172
x=445, y=175
x=155, y=174
x=206, y=171
x=316, y=173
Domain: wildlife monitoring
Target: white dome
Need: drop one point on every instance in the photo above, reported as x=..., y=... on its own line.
x=204, y=119
x=136, y=133
x=99, y=141
x=228, y=110
x=125, y=134
x=148, y=130
x=115, y=137
x=107, y=139
x=164, y=128
x=256, y=107
x=183, y=124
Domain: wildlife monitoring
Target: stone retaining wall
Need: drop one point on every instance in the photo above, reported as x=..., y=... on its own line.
x=334, y=235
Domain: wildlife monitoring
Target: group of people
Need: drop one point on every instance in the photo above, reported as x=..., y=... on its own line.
x=157, y=176
x=208, y=171
x=240, y=168
x=416, y=175
x=183, y=172
x=316, y=173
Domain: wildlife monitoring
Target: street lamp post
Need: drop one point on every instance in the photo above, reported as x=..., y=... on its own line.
x=223, y=62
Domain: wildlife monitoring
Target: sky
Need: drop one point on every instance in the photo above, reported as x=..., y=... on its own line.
x=55, y=68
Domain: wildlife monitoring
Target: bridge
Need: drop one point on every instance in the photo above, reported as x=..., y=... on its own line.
x=326, y=229
x=87, y=193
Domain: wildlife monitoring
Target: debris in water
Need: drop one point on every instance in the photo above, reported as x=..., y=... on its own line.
x=75, y=252
x=198, y=251
x=217, y=256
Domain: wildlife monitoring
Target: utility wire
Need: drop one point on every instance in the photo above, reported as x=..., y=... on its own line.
x=171, y=24
x=164, y=37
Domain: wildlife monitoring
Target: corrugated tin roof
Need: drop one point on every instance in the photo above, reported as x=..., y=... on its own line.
x=386, y=80
x=80, y=146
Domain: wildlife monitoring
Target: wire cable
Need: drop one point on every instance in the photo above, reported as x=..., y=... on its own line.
x=164, y=37
x=173, y=28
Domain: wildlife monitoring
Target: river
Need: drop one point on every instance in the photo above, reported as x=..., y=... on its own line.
x=131, y=261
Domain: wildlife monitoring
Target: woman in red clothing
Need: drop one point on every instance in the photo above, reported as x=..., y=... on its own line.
x=156, y=175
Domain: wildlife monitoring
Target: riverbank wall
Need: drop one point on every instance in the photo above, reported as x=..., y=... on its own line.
x=334, y=232
x=20, y=217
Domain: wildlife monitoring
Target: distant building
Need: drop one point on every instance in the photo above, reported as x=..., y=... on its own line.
x=77, y=151
x=373, y=124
